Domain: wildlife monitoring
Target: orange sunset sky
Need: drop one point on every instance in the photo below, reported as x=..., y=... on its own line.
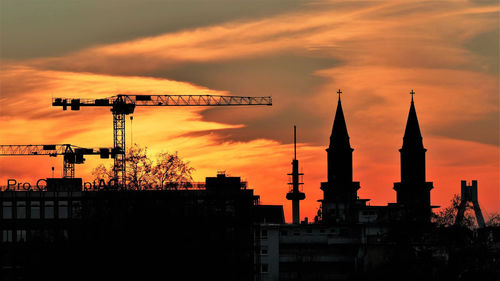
x=298, y=52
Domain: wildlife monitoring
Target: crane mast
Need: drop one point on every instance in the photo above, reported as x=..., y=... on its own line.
x=71, y=154
x=122, y=105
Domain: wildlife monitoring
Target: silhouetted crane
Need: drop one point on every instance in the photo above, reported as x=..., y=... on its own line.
x=71, y=154
x=122, y=105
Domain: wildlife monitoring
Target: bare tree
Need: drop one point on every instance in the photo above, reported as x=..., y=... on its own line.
x=102, y=175
x=139, y=168
x=447, y=216
x=167, y=171
x=170, y=171
x=494, y=220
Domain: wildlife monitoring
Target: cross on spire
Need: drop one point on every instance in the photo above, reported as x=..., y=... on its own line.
x=412, y=93
x=339, y=92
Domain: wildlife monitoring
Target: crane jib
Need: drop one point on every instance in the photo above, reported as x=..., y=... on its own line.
x=122, y=105
x=71, y=154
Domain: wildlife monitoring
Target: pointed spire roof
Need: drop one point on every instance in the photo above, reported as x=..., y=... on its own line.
x=339, y=137
x=412, y=137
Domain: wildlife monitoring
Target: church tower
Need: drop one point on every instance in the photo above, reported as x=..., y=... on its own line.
x=413, y=192
x=340, y=192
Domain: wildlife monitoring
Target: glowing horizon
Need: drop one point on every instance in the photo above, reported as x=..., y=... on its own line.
x=301, y=54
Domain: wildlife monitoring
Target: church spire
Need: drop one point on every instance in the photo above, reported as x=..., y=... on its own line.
x=339, y=151
x=340, y=192
x=413, y=151
x=413, y=192
x=339, y=137
x=412, y=137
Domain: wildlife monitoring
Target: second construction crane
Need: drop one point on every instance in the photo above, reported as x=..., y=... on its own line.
x=122, y=105
x=71, y=154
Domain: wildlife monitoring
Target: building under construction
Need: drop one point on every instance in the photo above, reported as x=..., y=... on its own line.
x=129, y=235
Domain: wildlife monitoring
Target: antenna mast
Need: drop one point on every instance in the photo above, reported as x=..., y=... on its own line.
x=295, y=194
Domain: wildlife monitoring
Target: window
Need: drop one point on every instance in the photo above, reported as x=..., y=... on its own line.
x=264, y=268
x=61, y=234
x=65, y=234
x=20, y=235
x=284, y=233
x=50, y=235
x=7, y=236
x=35, y=234
x=35, y=209
x=49, y=209
x=21, y=209
x=264, y=234
x=263, y=250
x=7, y=210
x=76, y=209
x=62, y=209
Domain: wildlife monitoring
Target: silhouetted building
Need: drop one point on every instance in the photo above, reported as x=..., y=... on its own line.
x=413, y=192
x=469, y=195
x=188, y=234
x=351, y=240
x=308, y=252
x=218, y=230
x=340, y=192
x=340, y=203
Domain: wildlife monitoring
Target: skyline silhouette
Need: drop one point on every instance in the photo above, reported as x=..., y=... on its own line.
x=339, y=139
x=57, y=230
x=363, y=48
x=142, y=140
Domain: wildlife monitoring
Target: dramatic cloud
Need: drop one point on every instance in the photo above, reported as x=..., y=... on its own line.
x=32, y=28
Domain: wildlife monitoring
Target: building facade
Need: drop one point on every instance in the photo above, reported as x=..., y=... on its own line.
x=129, y=235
